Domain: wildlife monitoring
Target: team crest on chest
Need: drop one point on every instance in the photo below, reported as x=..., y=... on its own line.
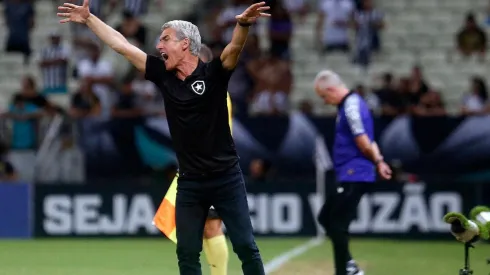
x=198, y=87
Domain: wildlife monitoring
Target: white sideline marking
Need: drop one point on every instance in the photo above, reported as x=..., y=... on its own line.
x=287, y=256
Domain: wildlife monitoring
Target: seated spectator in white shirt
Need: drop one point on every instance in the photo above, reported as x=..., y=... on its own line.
x=332, y=29
x=475, y=101
x=273, y=82
x=99, y=73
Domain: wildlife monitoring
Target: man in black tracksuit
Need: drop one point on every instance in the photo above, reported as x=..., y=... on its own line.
x=195, y=96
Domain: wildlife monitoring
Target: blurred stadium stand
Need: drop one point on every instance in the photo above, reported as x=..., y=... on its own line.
x=418, y=32
x=122, y=167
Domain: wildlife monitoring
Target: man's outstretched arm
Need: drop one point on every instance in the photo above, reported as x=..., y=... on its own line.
x=111, y=37
x=117, y=42
x=231, y=53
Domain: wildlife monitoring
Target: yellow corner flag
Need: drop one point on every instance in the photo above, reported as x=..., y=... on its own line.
x=164, y=218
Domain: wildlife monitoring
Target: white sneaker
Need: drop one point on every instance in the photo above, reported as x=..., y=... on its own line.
x=353, y=269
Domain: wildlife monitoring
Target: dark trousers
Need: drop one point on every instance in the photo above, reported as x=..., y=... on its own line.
x=336, y=215
x=228, y=196
x=19, y=45
x=336, y=48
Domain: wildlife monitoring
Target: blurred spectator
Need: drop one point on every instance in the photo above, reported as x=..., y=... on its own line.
x=306, y=107
x=25, y=110
x=296, y=7
x=149, y=98
x=132, y=29
x=24, y=117
x=85, y=102
x=30, y=95
x=487, y=19
x=371, y=99
x=66, y=160
x=273, y=82
x=471, y=38
x=393, y=101
x=280, y=30
x=475, y=101
x=54, y=66
x=126, y=106
x=217, y=47
x=333, y=25
x=98, y=73
x=136, y=7
x=126, y=116
x=367, y=22
x=80, y=46
x=205, y=53
x=358, y=4
x=430, y=104
x=405, y=90
x=226, y=21
x=418, y=85
x=19, y=15
x=7, y=170
x=83, y=37
x=260, y=170
x=241, y=82
x=71, y=161
x=204, y=15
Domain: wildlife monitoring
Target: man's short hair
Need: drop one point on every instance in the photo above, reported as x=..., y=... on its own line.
x=185, y=29
x=327, y=78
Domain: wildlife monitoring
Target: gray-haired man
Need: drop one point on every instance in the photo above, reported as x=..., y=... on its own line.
x=355, y=156
x=195, y=96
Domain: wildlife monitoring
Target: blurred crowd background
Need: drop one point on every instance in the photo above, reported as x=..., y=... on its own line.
x=58, y=83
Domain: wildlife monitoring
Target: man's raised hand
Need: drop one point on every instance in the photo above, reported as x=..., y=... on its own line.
x=250, y=15
x=73, y=13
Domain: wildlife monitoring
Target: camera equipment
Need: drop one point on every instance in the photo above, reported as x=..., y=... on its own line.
x=466, y=269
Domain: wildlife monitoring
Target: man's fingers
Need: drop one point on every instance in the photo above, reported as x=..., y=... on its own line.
x=255, y=11
x=61, y=14
x=64, y=9
x=85, y=3
x=254, y=7
x=70, y=5
x=388, y=174
x=66, y=20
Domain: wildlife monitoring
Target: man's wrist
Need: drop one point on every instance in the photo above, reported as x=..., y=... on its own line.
x=245, y=25
x=378, y=160
x=90, y=18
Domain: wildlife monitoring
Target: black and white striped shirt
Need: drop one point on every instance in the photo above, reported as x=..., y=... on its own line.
x=365, y=33
x=55, y=76
x=136, y=7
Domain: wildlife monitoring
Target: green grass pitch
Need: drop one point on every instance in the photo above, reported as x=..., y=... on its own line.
x=157, y=256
